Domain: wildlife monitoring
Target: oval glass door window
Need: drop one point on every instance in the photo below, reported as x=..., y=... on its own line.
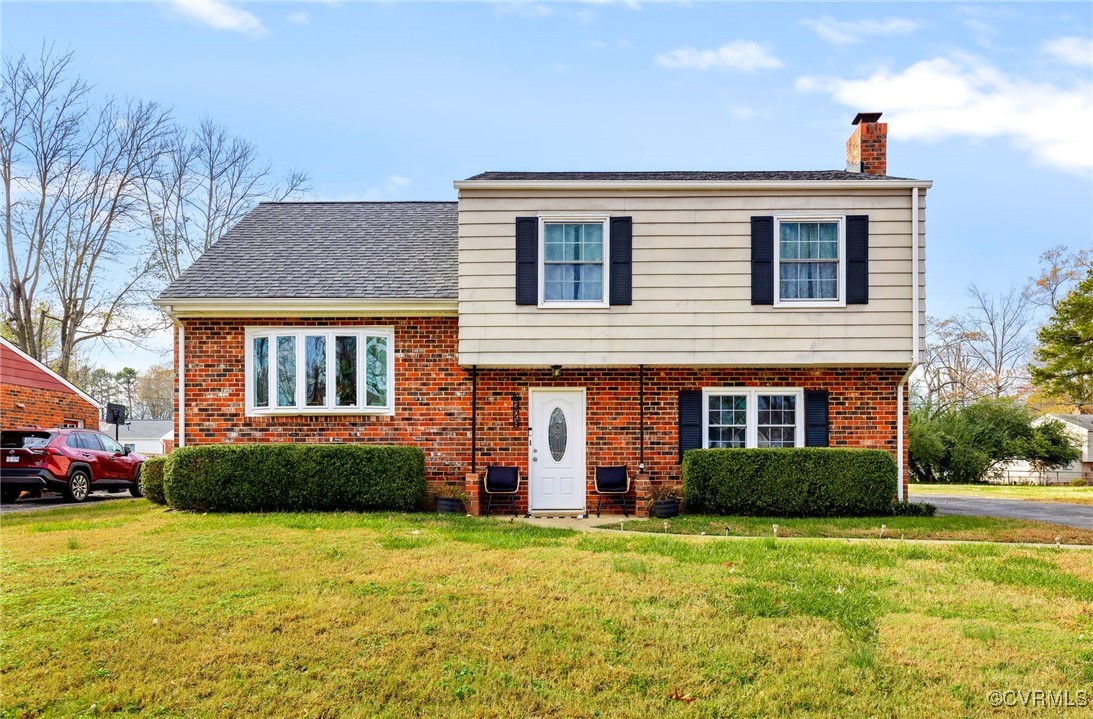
x=556, y=434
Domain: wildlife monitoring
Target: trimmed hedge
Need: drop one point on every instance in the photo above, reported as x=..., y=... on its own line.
x=800, y=482
x=151, y=479
x=913, y=509
x=293, y=477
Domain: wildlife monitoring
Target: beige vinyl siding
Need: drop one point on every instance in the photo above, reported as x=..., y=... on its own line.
x=691, y=283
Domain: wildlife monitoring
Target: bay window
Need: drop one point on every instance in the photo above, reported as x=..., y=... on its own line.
x=335, y=370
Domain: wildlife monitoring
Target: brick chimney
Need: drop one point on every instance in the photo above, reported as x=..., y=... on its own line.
x=867, y=148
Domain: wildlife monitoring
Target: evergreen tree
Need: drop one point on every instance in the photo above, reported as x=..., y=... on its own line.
x=1064, y=359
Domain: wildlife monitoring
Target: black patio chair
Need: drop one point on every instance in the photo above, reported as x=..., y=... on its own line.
x=612, y=482
x=503, y=483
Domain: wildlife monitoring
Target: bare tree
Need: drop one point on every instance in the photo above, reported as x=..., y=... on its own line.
x=1060, y=270
x=154, y=391
x=979, y=354
x=71, y=178
x=202, y=184
x=998, y=327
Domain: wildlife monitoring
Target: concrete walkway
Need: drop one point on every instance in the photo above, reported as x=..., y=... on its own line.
x=595, y=525
x=1072, y=515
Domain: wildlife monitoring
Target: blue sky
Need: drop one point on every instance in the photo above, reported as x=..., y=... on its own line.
x=993, y=102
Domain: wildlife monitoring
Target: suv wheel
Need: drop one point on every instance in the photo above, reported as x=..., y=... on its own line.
x=79, y=485
x=137, y=490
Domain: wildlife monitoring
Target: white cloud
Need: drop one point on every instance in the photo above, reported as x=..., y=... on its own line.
x=844, y=32
x=220, y=16
x=964, y=96
x=745, y=112
x=737, y=55
x=523, y=9
x=1071, y=50
x=300, y=18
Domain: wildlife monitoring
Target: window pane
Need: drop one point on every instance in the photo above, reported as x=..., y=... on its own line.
x=261, y=372
x=376, y=359
x=727, y=421
x=777, y=420
x=553, y=242
x=315, y=370
x=808, y=280
x=286, y=371
x=345, y=357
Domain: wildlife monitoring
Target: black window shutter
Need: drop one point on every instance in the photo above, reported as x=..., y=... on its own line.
x=762, y=260
x=622, y=250
x=690, y=420
x=816, y=423
x=857, y=259
x=527, y=260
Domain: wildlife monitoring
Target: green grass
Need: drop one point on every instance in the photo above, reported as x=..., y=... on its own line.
x=1043, y=493
x=990, y=529
x=127, y=609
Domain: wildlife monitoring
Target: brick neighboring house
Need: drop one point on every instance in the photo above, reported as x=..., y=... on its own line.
x=558, y=321
x=33, y=395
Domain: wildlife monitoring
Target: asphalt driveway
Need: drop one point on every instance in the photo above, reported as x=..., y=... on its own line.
x=54, y=501
x=1072, y=515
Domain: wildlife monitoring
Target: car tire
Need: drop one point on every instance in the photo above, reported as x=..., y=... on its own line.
x=7, y=496
x=137, y=490
x=79, y=486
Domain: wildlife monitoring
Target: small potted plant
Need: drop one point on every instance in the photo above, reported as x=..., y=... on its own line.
x=665, y=501
x=450, y=498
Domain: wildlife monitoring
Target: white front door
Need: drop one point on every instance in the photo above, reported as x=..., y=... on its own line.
x=556, y=471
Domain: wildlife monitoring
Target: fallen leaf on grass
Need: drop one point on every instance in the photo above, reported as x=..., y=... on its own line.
x=681, y=697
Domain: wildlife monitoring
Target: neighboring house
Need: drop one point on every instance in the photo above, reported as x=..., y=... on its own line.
x=33, y=395
x=556, y=321
x=141, y=435
x=1080, y=427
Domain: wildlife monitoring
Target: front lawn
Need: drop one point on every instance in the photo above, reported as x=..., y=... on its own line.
x=1042, y=493
x=130, y=609
x=990, y=529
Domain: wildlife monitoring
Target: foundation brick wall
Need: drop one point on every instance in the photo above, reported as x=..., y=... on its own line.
x=432, y=393
x=23, y=406
x=862, y=411
x=433, y=402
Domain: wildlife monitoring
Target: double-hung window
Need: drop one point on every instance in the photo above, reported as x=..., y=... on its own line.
x=747, y=417
x=809, y=256
x=336, y=370
x=574, y=266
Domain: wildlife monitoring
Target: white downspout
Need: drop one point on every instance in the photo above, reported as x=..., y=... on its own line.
x=181, y=377
x=915, y=356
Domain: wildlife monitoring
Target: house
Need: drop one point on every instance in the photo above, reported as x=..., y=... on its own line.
x=1080, y=427
x=33, y=395
x=556, y=321
x=141, y=435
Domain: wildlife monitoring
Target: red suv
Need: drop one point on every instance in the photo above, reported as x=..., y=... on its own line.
x=75, y=462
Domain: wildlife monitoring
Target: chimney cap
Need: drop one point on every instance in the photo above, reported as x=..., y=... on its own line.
x=866, y=117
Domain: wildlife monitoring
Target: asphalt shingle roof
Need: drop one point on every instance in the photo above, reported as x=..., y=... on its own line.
x=1085, y=421
x=686, y=175
x=359, y=250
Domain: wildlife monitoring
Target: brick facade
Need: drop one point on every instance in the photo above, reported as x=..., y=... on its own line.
x=23, y=406
x=433, y=402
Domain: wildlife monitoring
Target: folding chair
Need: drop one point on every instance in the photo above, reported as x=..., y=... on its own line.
x=612, y=482
x=502, y=482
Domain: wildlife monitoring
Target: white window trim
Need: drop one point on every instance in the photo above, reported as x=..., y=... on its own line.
x=839, y=301
x=751, y=432
x=552, y=218
x=362, y=333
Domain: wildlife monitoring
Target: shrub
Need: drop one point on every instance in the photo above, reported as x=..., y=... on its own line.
x=802, y=482
x=151, y=479
x=293, y=477
x=913, y=509
x=1079, y=482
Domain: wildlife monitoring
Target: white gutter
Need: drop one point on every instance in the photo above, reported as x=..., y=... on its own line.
x=916, y=276
x=688, y=184
x=169, y=310
x=298, y=306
